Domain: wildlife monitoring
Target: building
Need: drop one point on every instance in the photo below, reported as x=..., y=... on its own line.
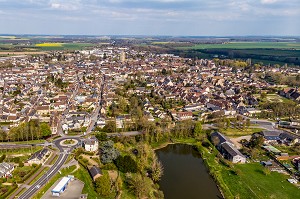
x=6, y=169
x=61, y=186
x=39, y=157
x=95, y=172
x=271, y=136
x=91, y=144
x=184, y=115
x=227, y=148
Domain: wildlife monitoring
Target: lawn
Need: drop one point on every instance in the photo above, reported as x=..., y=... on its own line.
x=253, y=183
x=83, y=175
x=233, y=132
x=273, y=98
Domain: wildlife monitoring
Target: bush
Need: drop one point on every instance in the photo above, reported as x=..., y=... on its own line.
x=109, y=166
x=126, y=164
x=2, y=158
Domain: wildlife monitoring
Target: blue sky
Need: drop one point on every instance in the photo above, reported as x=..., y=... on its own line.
x=151, y=17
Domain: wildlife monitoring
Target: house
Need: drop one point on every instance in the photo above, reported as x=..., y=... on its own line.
x=271, y=136
x=184, y=115
x=95, y=172
x=39, y=157
x=6, y=169
x=227, y=148
x=91, y=144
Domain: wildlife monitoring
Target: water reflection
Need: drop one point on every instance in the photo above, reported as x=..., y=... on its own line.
x=185, y=175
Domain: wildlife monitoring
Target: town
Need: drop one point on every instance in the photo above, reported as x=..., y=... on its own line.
x=62, y=112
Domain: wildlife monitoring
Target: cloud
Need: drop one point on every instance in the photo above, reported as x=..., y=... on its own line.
x=269, y=1
x=151, y=16
x=65, y=5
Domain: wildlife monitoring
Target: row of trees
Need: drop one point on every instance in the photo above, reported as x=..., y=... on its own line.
x=280, y=109
x=26, y=131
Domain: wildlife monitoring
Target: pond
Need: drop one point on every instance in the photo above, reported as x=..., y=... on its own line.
x=185, y=175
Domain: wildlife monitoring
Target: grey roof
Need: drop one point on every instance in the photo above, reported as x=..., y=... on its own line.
x=39, y=155
x=229, y=148
x=95, y=171
x=271, y=133
x=221, y=137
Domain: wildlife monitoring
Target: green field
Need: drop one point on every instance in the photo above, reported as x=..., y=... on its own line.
x=253, y=183
x=233, y=132
x=247, y=45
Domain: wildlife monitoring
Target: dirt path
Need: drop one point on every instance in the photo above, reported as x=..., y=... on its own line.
x=236, y=140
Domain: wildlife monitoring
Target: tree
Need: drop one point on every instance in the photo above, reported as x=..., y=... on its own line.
x=126, y=164
x=101, y=136
x=139, y=185
x=45, y=130
x=215, y=140
x=157, y=169
x=108, y=152
x=198, y=129
x=110, y=127
x=103, y=185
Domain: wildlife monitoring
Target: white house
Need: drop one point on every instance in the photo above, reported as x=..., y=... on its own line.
x=91, y=144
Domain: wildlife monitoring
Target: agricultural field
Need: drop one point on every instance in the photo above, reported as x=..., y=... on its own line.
x=247, y=45
x=63, y=46
x=14, y=49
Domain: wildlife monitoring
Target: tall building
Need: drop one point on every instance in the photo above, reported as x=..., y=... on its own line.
x=123, y=57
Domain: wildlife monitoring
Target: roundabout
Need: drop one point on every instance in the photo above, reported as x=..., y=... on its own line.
x=68, y=142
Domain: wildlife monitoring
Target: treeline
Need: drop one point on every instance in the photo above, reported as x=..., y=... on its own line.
x=279, y=78
x=280, y=109
x=26, y=131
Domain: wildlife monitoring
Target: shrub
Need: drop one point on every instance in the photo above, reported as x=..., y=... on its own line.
x=126, y=164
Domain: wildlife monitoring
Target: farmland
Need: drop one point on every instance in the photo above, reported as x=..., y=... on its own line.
x=14, y=49
x=247, y=45
x=260, y=52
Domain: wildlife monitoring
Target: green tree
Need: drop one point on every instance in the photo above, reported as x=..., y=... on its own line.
x=108, y=152
x=45, y=130
x=103, y=185
x=110, y=127
x=101, y=136
x=198, y=129
x=140, y=186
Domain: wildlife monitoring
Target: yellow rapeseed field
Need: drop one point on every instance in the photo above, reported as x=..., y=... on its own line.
x=49, y=44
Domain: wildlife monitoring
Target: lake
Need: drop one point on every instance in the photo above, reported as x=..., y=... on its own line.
x=185, y=175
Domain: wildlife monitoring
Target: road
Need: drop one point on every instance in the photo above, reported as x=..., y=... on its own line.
x=64, y=153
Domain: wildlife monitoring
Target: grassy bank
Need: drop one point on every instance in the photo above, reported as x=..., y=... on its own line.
x=246, y=180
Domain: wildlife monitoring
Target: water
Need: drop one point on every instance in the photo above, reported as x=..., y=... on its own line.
x=185, y=175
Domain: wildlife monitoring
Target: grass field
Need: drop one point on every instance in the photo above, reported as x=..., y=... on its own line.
x=247, y=45
x=250, y=182
x=253, y=183
x=273, y=98
x=233, y=132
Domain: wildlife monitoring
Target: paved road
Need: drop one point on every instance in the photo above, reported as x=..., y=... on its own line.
x=128, y=133
x=64, y=153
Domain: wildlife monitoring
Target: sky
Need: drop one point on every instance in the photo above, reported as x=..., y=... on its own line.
x=151, y=17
